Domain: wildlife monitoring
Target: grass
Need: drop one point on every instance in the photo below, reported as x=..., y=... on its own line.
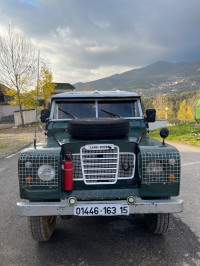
x=3, y=147
x=14, y=139
x=188, y=133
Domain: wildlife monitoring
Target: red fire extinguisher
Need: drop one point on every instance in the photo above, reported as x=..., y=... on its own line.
x=68, y=172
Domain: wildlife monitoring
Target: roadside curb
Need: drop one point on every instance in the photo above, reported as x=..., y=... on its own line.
x=6, y=126
x=17, y=150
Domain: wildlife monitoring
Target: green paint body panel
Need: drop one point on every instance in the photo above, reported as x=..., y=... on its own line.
x=136, y=142
x=40, y=194
x=160, y=190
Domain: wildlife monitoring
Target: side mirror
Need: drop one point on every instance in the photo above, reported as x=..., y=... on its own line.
x=44, y=115
x=150, y=115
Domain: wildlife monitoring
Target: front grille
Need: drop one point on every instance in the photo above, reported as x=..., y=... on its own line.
x=37, y=160
x=101, y=167
x=169, y=163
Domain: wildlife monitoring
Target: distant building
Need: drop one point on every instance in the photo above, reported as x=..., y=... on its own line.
x=62, y=87
x=6, y=110
x=3, y=97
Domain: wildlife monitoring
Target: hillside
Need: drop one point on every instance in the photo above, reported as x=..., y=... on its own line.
x=160, y=77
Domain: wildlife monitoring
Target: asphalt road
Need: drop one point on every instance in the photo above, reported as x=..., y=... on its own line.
x=103, y=240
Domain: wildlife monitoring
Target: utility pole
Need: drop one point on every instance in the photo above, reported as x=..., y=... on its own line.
x=166, y=113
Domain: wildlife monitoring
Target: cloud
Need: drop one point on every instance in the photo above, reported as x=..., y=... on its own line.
x=86, y=40
x=100, y=49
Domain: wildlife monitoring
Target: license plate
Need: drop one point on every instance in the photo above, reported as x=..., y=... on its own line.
x=101, y=210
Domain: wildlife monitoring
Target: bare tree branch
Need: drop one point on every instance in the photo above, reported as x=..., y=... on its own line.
x=18, y=62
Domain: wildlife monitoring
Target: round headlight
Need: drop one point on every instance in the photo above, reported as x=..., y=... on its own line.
x=154, y=169
x=46, y=172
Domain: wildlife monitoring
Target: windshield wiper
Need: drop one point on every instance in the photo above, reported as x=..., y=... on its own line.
x=68, y=114
x=109, y=113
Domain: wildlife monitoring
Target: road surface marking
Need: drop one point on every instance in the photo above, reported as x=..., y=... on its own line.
x=185, y=164
x=9, y=156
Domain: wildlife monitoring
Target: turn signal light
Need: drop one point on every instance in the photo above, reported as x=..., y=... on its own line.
x=171, y=177
x=29, y=179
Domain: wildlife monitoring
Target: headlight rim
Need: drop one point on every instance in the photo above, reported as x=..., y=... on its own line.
x=49, y=168
x=154, y=174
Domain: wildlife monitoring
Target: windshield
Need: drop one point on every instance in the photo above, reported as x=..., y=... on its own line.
x=122, y=108
x=96, y=108
x=78, y=109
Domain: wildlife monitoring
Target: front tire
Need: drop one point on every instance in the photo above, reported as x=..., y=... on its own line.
x=157, y=223
x=42, y=227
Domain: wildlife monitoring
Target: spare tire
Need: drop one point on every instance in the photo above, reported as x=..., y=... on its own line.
x=98, y=128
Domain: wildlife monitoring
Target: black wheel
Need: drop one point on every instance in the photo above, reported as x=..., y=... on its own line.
x=98, y=128
x=42, y=227
x=66, y=217
x=157, y=223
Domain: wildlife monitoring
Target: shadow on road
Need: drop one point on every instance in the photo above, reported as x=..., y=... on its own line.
x=117, y=241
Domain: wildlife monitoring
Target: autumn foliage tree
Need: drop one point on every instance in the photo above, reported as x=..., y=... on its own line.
x=45, y=85
x=159, y=103
x=29, y=98
x=18, y=65
x=171, y=115
x=185, y=112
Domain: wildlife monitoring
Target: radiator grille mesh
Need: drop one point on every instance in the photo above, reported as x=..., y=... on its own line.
x=100, y=166
x=126, y=168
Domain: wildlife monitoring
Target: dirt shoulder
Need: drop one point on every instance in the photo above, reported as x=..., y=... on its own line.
x=15, y=139
x=182, y=147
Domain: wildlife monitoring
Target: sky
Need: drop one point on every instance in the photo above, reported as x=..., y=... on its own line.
x=85, y=40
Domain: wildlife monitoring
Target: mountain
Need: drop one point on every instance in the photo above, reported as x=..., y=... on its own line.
x=160, y=77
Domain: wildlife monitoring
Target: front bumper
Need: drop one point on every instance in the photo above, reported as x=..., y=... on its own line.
x=62, y=208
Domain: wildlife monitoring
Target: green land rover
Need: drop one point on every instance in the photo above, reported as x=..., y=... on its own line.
x=97, y=160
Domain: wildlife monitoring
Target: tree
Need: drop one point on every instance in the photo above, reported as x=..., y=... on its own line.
x=159, y=103
x=171, y=114
x=147, y=103
x=27, y=98
x=190, y=113
x=45, y=85
x=185, y=112
x=18, y=65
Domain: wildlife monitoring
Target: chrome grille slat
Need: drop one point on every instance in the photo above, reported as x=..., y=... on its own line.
x=100, y=174
x=96, y=169
x=86, y=159
x=105, y=156
x=97, y=163
x=95, y=153
x=126, y=167
x=101, y=179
